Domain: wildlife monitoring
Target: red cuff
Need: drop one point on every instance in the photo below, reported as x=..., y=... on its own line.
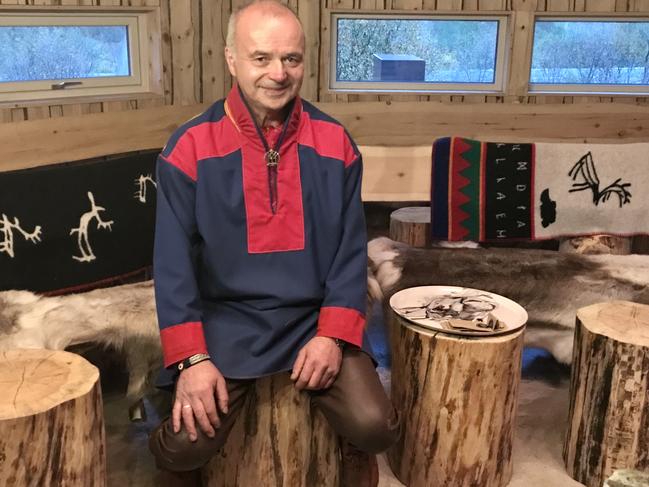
x=182, y=341
x=343, y=323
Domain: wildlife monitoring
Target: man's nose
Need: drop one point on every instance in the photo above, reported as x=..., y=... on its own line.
x=277, y=71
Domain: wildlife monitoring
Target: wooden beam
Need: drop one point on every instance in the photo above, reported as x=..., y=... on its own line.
x=396, y=173
x=82, y=137
x=70, y=138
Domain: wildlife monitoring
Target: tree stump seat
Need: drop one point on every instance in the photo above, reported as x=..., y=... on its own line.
x=411, y=225
x=277, y=440
x=458, y=398
x=51, y=420
x=608, y=426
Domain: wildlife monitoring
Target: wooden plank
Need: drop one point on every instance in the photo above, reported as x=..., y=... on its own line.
x=558, y=5
x=37, y=113
x=600, y=6
x=115, y=106
x=325, y=52
x=341, y=3
x=56, y=111
x=18, y=114
x=372, y=4
x=182, y=38
x=87, y=136
x=197, y=59
x=521, y=51
x=214, y=67
x=383, y=180
x=5, y=115
x=150, y=103
x=406, y=4
x=449, y=4
x=309, y=14
x=227, y=8
x=72, y=110
x=167, y=70
x=621, y=5
x=640, y=6
x=429, y=4
x=33, y=143
x=490, y=5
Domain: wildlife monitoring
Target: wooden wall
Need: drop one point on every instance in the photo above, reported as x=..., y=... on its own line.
x=195, y=74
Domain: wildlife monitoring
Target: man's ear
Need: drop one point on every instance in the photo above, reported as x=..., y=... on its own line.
x=229, y=58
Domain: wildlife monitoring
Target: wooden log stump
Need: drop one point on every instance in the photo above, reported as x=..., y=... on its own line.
x=597, y=244
x=458, y=397
x=608, y=425
x=51, y=420
x=278, y=440
x=411, y=225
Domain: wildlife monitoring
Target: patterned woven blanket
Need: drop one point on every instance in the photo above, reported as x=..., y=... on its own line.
x=486, y=191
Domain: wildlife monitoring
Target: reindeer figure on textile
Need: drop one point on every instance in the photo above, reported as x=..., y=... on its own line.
x=550, y=285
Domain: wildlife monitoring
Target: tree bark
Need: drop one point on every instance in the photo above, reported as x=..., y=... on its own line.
x=277, y=440
x=609, y=408
x=51, y=420
x=411, y=225
x=458, y=397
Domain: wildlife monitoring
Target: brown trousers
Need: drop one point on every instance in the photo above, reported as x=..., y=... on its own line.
x=356, y=407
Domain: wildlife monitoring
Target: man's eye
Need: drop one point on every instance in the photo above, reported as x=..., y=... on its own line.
x=260, y=59
x=292, y=61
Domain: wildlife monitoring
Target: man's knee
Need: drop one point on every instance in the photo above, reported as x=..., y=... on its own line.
x=175, y=452
x=373, y=430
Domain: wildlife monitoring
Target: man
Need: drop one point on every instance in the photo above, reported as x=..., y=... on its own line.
x=260, y=253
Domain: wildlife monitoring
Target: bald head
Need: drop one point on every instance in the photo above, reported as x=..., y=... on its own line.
x=265, y=53
x=254, y=11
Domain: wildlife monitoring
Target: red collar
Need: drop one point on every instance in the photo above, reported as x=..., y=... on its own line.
x=243, y=120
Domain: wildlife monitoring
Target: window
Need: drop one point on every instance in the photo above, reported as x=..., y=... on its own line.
x=417, y=53
x=590, y=55
x=65, y=54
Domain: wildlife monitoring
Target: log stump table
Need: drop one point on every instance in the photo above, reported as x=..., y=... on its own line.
x=458, y=399
x=51, y=420
x=608, y=425
x=411, y=225
x=278, y=440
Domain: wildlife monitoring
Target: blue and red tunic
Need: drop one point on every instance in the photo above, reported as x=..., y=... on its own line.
x=250, y=261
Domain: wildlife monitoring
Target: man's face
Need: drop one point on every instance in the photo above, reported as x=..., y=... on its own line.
x=268, y=60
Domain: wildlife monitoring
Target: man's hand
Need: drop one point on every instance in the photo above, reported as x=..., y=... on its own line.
x=317, y=364
x=196, y=390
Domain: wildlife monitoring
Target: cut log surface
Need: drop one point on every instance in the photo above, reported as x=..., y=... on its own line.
x=51, y=420
x=597, y=244
x=458, y=398
x=609, y=407
x=411, y=225
x=278, y=440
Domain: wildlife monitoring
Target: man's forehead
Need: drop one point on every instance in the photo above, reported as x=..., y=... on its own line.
x=258, y=31
x=278, y=42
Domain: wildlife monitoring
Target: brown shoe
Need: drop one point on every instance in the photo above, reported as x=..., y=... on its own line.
x=359, y=469
x=166, y=478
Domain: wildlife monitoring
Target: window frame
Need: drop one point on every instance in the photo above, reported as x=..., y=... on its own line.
x=144, y=55
x=503, y=42
x=583, y=89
